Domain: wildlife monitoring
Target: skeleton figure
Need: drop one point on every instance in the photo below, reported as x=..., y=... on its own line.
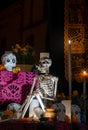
x=8, y=60
x=35, y=110
x=76, y=111
x=46, y=88
x=61, y=111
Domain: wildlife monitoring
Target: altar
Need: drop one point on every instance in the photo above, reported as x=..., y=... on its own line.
x=14, y=87
x=22, y=125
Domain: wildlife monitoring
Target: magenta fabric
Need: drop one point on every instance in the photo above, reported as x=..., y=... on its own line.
x=15, y=87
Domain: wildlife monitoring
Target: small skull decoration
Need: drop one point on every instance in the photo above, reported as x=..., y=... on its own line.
x=8, y=60
x=13, y=106
x=61, y=111
x=76, y=111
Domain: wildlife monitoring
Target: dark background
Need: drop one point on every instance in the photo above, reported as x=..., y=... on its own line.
x=54, y=40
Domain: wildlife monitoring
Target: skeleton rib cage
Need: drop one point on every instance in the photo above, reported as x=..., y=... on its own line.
x=46, y=86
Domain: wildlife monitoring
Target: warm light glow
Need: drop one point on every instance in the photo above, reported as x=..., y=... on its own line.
x=69, y=42
x=84, y=73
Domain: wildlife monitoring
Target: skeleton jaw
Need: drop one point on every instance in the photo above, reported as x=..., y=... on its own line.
x=9, y=68
x=45, y=70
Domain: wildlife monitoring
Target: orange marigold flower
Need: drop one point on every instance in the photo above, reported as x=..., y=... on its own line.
x=8, y=112
x=67, y=119
x=74, y=118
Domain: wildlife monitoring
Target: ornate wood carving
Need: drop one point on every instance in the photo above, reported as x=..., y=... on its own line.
x=76, y=30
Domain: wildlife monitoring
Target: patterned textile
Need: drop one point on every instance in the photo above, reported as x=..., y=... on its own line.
x=15, y=87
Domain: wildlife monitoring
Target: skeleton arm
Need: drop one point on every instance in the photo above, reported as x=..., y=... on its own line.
x=33, y=85
x=55, y=90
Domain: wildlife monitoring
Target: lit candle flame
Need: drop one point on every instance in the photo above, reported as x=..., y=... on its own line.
x=84, y=73
x=69, y=42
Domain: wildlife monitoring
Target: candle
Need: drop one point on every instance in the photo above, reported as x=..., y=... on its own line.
x=84, y=82
x=69, y=67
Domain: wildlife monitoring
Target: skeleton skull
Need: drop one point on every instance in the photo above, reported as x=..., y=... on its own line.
x=76, y=111
x=9, y=60
x=61, y=111
x=45, y=63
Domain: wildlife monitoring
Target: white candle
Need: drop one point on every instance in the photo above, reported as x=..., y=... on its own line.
x=84, y=82
x=69, y=67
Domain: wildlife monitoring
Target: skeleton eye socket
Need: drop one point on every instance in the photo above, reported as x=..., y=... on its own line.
x=76, y=112
x=13, y=60
x=47, y=62
x=8, y=60
x=43, y=62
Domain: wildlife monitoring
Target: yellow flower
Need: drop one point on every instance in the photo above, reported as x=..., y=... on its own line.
x=75, y=93
x=24, y=49
x=18, y=46
x=24, y=53
x=15, y=50
x=16, y=70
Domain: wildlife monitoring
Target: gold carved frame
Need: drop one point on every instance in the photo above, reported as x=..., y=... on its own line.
x=76, y=30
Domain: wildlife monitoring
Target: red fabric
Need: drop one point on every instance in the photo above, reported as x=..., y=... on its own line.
x=68, y=126
x=82, y=126
x=63, y=126
x=15, y=87
x=20, y=125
